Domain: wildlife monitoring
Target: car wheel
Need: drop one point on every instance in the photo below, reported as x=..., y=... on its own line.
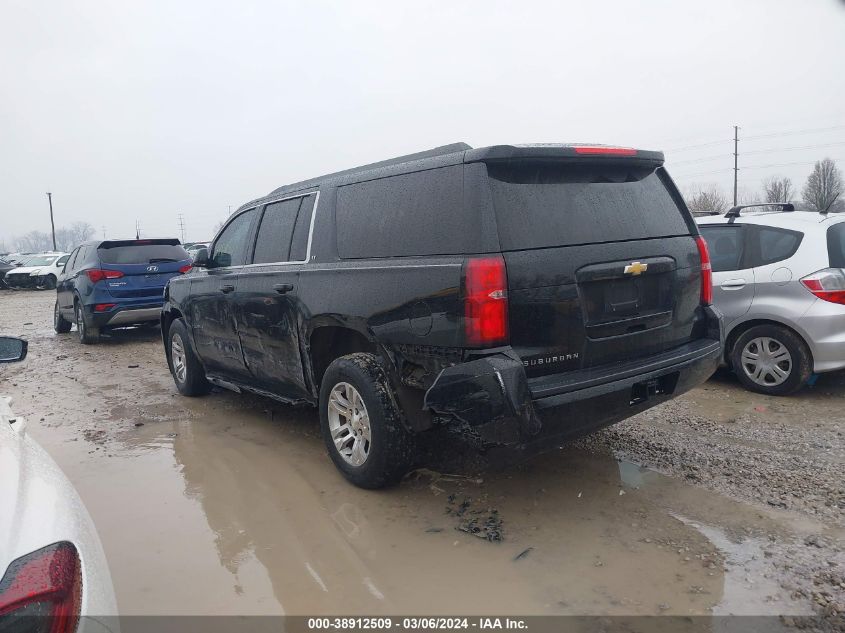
x=49, y=283
x=185, y=367
x=88, y=333
x=771, y=359
x=361, y=423
x=60, y=324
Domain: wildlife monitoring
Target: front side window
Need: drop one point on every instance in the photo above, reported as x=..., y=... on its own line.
x=231, y=247
x=275, y=232
x=726, y=247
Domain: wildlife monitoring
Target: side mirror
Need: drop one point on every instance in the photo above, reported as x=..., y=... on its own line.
x=12, y=349
x=201, y=258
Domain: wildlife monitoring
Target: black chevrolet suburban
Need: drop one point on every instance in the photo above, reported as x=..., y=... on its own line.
x=519, y=294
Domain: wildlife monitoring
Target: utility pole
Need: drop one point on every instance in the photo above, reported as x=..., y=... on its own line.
x=736, y=159
x=52, y=224
x=104, y=231
x=230, y=209
x=137, y=230
x=182, y=227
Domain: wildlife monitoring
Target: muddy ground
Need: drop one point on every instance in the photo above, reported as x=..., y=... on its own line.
x=719, y=502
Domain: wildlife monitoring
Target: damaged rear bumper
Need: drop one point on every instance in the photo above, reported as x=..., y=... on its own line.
x=493, y=398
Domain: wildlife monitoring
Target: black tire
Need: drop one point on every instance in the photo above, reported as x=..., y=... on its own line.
x=60, y=324
x=773, y=339
x=391, y=447
x=193, y=382
x=49, y=283
x=89, y=334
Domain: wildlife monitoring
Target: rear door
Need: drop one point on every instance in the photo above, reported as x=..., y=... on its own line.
x=145, y=266
x=210, y=304
x=267, y=300
x=64, y=287
x=601, y=261
x=733, y=277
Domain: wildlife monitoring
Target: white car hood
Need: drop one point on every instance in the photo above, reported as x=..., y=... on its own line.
x=25, y=270
x=40, y=506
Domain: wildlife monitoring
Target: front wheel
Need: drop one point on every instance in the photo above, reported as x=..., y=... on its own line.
x=772, y=360
x=60, y=324
x=48, y=283
x=185, y=367
x=89, y=334
x=361, y=423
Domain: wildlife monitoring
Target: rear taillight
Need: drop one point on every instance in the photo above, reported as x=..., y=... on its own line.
x=103, y=307
x=706, y=271
x=827, y=284
x=185, y=269
x=97, y=274
x=46, y=583
x=486, y=301
x=607, y=151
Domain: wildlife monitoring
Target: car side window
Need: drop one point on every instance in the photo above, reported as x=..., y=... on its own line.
x=62, y=260
x=70, y=261
x=276, y=231
x=774, y=245
x=726, y=246
x=230, y=249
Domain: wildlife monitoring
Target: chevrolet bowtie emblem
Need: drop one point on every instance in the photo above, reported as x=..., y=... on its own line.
x=635, y=268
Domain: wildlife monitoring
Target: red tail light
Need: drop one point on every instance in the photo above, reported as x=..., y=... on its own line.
x=706, y=271
x=609, y=151
x=185, y=269
x=827, y=284
x=45, y=583
x=102, y=307
x=96, y=274
x=486, y=301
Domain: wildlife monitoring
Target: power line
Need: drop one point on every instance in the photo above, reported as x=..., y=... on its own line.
x=716, y=171
x=797, y=132
x=789, y=149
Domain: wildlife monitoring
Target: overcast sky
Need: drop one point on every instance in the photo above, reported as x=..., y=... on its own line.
x=143, y=110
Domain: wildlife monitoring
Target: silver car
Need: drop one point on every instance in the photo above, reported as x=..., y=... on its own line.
x=778, y=278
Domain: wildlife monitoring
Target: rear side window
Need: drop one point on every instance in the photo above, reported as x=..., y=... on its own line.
x=542, y=205
x=412, y=214
x=142, y=254
x=231, y=246
x=275, y=232
x=774, y=245
x=836, y=245
x=725, y=245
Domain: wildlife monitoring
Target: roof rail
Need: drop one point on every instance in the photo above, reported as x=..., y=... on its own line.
x=734, y=212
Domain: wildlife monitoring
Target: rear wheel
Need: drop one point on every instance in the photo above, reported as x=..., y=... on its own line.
x=771, y=359
x=361, y=422
x=89, y=334
x=185, y=367
x=60, y=324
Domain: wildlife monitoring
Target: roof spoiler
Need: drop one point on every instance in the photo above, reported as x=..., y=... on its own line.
x=734, y=212
x=560, y=151
x=169, y=241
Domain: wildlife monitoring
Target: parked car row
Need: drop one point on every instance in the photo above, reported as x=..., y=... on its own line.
x=36, y=271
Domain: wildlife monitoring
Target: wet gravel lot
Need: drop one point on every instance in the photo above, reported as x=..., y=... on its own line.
x=719, y=502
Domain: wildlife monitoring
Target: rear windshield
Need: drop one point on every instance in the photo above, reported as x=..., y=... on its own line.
x=836, y=245
x=142, y=254
x=541, y=205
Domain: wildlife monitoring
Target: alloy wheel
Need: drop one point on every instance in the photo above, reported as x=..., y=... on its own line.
x=177, y=358
x=349, y=424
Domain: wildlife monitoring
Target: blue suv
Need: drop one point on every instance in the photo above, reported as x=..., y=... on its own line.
x=115, y=283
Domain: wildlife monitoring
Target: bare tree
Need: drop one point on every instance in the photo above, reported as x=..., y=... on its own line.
x=707, y=201
x=34, y=241
x=823, y=186
x=777, y=189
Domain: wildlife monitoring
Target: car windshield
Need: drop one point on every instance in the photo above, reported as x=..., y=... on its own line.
x=44, y=260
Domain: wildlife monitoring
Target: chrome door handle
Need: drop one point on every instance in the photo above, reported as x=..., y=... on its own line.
x=733, y=284
x=227, y=288
x=282, y=288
